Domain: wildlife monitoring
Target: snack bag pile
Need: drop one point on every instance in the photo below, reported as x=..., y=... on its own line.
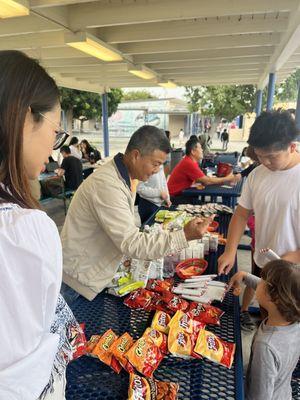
x=103, y=350
x=150, y=389
x=120, y=347
x=205, y=313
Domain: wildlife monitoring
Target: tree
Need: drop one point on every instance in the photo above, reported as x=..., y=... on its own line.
x=194, y=97
x=138, y=95
x=86, y=105
x=288, y=89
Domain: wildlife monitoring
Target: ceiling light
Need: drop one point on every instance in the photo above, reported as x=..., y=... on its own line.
x=11, y=8
x=141, y=72
x=167, y=84
x=93, y=46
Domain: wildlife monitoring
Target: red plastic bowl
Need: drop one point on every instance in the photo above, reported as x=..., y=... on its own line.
x=191, y=267
x=213, y=226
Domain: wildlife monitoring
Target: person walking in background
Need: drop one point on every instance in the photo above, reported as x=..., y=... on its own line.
x=35, y=320
x=75, y=148
x=225, y=139
x=181, y=137
x=71, y=169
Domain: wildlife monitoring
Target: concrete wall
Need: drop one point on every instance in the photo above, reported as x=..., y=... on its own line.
x=176, y=122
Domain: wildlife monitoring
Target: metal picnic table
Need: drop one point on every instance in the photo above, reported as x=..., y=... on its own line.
x=88, y=378
x=229, y=194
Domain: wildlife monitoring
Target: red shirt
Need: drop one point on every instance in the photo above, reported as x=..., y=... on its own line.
x=184, y=175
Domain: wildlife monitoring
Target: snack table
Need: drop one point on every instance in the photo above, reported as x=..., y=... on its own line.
x=229, y=195
x=88, y=378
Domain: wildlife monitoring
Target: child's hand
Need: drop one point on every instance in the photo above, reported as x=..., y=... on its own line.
x=235, y=282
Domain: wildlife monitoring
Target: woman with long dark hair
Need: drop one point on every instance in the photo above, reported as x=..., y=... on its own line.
x=35, y=320
x=88, y=152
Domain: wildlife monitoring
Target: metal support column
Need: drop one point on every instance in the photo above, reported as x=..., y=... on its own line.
x=258, y=105
x=298, y=108
x=271, y=91
x=105, y=124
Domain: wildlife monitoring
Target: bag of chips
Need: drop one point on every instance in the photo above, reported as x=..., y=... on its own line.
x=92, y=343
x=158, y=338
x=141, y=388
x=139, y=299
x=215, y=349
x=160, y=321
x=145, y=356
x=174, y=302
x=158, y=304
x=157, y=285
x=205, y=313
x=120, y=347
x=103, y=350
x=77, y=340
x=183, y=335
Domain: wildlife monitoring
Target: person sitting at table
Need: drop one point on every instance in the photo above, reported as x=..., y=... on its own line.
x=35, y=320
x=153, y=194
x=71, y=168
x=100, y=226
x=75, y=147
x=89, y=153
x=187, y=172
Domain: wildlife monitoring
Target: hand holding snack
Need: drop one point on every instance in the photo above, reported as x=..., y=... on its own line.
x=197, y=227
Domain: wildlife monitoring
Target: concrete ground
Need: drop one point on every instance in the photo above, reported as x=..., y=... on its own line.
x=55, y=210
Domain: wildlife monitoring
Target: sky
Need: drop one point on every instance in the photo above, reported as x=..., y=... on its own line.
x=161, y=92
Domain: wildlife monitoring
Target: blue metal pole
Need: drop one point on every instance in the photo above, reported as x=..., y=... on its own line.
x=271, y=91
x=105, y=124
x=258, y=105
x=298, y=108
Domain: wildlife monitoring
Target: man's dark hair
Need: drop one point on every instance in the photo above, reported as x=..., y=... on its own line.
x=74, y=140
x=168, y=134
x=193, y=137
x=273, y=130
x=190, y=145
x=65, y=149
x=147, y=139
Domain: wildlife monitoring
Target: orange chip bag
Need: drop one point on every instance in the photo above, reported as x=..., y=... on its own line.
x=158, y=338
x=160, y=321
x=205, y=313
x=215, y=349
x=120, y=347
x=92, y=343
x=103, y=350
x=141, y=388
x=145, y=356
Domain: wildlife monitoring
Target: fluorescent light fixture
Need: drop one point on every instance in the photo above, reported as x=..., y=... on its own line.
x=11, y=8
x=141, y=72
x=167, y=84
x=93, y=46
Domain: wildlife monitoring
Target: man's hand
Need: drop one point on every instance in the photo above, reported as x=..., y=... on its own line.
x=225, y=263
x=168, y=203
x=196, y=228
x=235, y=282
x=59, y=171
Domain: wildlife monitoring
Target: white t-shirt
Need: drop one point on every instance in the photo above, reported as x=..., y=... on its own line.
x=75, y=152
x=274, y=196
x=30, y=279
x=151, y=190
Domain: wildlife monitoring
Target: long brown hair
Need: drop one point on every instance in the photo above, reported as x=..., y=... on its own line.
x=283, y=285
x=23, y=84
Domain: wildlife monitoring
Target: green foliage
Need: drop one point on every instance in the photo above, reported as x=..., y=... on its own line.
x=138, y=95
x=288, y=90
x=87, y=105
x=221, y=101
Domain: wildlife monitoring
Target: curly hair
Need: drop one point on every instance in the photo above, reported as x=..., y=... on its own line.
x=283, y=285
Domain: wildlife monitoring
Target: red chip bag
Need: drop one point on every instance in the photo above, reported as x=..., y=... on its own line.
x=160, y=321
x=174, y=302
x=120, y=347
x=215, y=349
x=103, y=350
x=145, y=356
x=77, y=340
x=159, y=305
x=205, y=313
x=141, y=388
x=157, y=285
x=158, y=338
x=139, y=299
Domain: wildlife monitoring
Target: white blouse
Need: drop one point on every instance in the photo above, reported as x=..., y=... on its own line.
x=30, y=279
x=75, y=152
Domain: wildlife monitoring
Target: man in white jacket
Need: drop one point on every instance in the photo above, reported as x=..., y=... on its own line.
x=100, y=225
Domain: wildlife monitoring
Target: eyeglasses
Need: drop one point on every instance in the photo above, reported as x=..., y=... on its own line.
x=61, y=134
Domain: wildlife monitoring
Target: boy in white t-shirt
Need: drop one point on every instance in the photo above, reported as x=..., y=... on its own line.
x=272, y=192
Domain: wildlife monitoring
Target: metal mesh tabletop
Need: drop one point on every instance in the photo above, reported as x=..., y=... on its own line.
x=88, y=378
